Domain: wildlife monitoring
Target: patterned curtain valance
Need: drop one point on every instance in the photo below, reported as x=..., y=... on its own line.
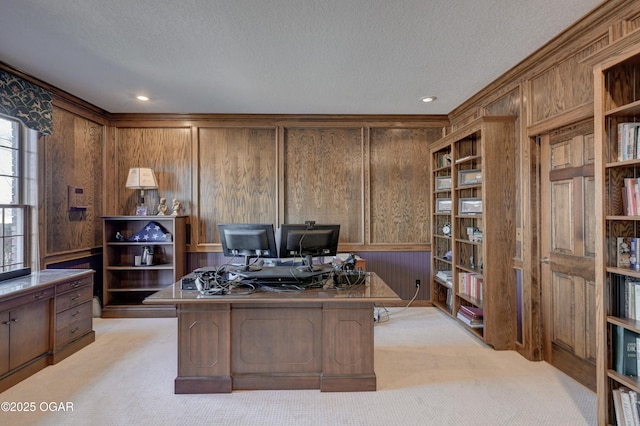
x=27, y=102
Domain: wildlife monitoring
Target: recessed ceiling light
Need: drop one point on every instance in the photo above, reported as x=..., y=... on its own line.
x=428, y=99
x=142, y=98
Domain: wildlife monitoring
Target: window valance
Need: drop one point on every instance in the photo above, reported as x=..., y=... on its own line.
x=26, y=102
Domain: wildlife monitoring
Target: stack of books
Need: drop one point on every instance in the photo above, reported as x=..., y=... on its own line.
x=472, y=316
x=445, y=277
x=625, y=402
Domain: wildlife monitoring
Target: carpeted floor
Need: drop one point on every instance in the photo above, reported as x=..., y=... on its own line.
x=430, y=371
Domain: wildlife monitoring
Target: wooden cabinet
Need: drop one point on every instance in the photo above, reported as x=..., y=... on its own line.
x=126, y=284
x=24, y=324
x=473, y=235
x=45, y=316
x=617, y=169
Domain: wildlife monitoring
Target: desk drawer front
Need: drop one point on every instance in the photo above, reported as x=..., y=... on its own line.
x=73, y=331
x=73, y=298
x=72, y=315
x=74, y=284
x=27, y=298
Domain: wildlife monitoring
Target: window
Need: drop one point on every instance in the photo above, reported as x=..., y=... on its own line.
x=13, y=213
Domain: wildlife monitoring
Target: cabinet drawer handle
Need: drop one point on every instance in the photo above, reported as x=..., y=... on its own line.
x=75, y=330
x=75, y=298
x=38, y=296
x=6, y=322
x=75, y=284
x=75, y=313
x=14, y=319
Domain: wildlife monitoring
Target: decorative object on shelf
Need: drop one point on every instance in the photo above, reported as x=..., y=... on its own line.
x=120, y=237
x=152, y=232
x=469, y=177
x=162, y=207
x=141, y=178
x=443, y=205
x=147, y=255
x=474, y=234
x=177, y=208
x=446, y=229
x=443, y=183
x=470, y=206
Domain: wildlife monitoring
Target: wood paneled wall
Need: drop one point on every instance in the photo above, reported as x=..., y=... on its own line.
x=236, y=178
x=369, y=175
x=71, y=156
x=323, y=178
x=167, y=151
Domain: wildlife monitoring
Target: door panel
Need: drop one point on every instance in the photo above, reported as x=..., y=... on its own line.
x=568, y=251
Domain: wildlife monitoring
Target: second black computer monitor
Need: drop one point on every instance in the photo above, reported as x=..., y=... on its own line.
x=308, y=240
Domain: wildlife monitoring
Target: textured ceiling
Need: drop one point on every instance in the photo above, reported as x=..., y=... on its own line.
x=277, y=56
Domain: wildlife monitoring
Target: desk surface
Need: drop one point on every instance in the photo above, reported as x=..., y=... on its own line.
x=374, y=289
x=19, y=285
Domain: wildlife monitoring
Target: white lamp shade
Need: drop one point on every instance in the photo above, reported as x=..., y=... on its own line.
x=141, y=178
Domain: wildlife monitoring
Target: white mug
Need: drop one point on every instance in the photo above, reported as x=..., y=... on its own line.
x=137, y=260
x=149, y=259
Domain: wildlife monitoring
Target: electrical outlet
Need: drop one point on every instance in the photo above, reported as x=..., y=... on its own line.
x=417, y=283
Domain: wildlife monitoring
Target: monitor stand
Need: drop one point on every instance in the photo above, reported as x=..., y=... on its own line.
x=308, y=266
x=247, y=267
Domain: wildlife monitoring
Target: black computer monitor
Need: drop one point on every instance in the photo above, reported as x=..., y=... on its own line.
x=250, y=240
x=308, y=240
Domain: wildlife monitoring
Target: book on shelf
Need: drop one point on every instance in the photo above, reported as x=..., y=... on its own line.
x=473, y=323
x=623, y=249
x=628, y=147
x=631, y=196
x=625, y=403
x=625, y=360
x=626, y=297
x=445, y=277
x=470, y=284
x=471, y=311
x=471, y=315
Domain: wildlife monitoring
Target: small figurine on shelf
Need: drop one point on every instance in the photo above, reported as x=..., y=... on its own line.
x=177, y=208
x=119, y=236
x=162, y=208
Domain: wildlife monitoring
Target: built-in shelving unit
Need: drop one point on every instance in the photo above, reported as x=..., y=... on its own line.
x=473, y=235
x=127, y=284
x=617, y=170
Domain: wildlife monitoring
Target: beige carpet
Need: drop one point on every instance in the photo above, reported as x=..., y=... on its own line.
x=430, y=372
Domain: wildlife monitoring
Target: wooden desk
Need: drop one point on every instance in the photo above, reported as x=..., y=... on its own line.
x=316, y=339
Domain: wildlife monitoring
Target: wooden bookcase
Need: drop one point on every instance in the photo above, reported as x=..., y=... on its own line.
x=473, y=170
x=616, y=101
x=127, y=285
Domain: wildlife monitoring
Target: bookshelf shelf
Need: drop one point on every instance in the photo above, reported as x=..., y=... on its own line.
x=482, y=221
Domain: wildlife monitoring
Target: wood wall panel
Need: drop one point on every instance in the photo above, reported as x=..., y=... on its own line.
x=566, y=85
x=399, y=176
x=72, y=156
x=236, y=178
x=168, y=152
x=323, y=178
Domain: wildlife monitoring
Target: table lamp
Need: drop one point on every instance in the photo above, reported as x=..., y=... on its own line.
x=141, y=178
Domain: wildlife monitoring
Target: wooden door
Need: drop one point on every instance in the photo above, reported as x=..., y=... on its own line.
x=568, y=251
x=29, y=332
